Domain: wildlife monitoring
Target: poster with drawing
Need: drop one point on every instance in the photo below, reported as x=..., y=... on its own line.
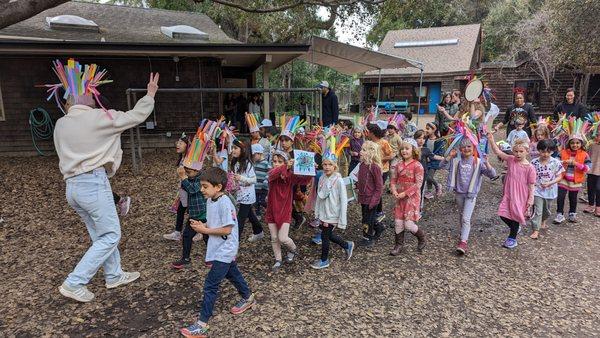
x=304, y=163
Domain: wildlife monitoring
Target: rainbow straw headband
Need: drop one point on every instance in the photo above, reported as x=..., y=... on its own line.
x=76, y=80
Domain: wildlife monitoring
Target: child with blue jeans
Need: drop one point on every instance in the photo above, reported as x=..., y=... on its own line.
x=221, y=251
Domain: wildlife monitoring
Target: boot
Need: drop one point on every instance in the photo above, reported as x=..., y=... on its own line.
x=399, y=245
x=379, y=228
x=421, y=240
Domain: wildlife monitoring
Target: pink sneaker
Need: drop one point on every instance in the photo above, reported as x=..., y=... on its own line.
x=462, y=247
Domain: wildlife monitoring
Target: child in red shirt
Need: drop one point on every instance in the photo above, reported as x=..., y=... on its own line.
x=279, y=206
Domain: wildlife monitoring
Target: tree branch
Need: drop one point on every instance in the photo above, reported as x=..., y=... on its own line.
x=293, y=4
x=12, y=12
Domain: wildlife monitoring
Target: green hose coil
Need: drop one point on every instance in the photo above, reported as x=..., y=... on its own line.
x=41, y=126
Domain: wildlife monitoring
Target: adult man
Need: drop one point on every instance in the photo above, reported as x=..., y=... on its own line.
x=88, y=145
x=331, y=109
x=569, y=107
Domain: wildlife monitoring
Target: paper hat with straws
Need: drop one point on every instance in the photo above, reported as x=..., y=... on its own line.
x=252, y=121
x=335, y=142
x=290, y=127
x=77, y=81
x=594, y=119
x=207, y=132
x=466, y=129
x=568, y=129
x=396, y=121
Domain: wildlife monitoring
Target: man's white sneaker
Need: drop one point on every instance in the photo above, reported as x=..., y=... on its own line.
x=173, y=236
x=256, y=237
x=126, y=277
x=79, y=293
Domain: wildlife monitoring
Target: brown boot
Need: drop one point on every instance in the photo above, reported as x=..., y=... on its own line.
x=422, y=241
x=399, y=245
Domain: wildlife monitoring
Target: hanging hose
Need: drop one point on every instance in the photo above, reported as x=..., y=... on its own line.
x=42, y=128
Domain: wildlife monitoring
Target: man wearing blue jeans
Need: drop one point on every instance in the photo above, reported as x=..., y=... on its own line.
x=88, y=145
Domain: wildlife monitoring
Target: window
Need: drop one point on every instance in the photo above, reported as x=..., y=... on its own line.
x=184, y=32
x=71, y=22
x=532, y=91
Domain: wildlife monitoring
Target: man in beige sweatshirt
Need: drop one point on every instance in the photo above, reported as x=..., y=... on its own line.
x=88, y=144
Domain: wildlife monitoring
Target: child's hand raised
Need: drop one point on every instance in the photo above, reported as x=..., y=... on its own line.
x=181, y=173
x=198, y=226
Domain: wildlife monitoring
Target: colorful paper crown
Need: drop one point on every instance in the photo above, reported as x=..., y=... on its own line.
x=465, y=129
x=78, y=81
x=208, y=131
x=396, y=120
x=252, y=121
x=568, y=129
x=594, y=119
x=334, y=144
x=290, y=127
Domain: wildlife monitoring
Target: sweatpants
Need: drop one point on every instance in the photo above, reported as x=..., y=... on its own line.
x=280, y=236
x=245, y=212
x=560, y=201
x=593, y=188
x=513, y=225
x=541, y=211
x=466, y=206
x=328, y=235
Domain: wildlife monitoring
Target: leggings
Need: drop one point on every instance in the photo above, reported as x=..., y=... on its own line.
x=245, y=212
x=466, y=206
x=593, y=188
x=560, y=201
x=368, y=219
x=402, y=225
x=280, y=236
x=180, y=217
x=327, y=235
x=384, y=177
x=513, y=225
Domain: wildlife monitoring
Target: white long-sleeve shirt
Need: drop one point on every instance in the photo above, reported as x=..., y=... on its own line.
x=331, y=205
x=86, y=138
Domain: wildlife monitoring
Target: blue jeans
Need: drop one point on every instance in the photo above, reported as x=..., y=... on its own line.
x=91, y=197
x=215, y=276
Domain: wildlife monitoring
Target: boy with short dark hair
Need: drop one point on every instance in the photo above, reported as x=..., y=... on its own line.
x=410, y=128
x=221, y=251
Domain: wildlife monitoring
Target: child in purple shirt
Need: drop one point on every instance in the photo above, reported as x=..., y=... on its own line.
x=464, y=179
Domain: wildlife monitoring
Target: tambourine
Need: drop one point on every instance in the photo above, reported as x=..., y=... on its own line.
x=473, y=90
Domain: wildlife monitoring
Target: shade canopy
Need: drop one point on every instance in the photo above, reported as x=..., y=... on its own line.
x=350, y=59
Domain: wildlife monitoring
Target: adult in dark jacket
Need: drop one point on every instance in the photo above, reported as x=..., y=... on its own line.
x=520, y=108
x=570, y=107
x=331, y=109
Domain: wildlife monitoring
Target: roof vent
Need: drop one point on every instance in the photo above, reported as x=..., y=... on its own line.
x=71, y=22
x=184, y=32
x=425, y=43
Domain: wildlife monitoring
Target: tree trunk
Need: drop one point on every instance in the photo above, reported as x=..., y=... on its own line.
x=584, y=87
x=12, y=12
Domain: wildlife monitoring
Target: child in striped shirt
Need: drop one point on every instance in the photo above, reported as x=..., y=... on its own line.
x=261, y=169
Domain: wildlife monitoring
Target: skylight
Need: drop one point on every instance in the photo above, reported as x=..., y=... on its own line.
x=184, y=32
x=425, y=43
x=73, y=22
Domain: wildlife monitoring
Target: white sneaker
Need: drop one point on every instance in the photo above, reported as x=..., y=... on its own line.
x=80, y=293
x=124, y=205
x=257, y=237
x=197, y=237
x=290, y=256
x=573, y=217
x=173, y=236
x=559, y=218
x=126, y=278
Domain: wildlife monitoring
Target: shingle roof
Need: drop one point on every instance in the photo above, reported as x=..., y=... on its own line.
x=117, y=24
x=436, y=59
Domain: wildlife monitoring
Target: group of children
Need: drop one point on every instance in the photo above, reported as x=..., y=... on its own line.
x=219, y=201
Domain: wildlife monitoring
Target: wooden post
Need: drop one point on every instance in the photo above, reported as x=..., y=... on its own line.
x=266, y=75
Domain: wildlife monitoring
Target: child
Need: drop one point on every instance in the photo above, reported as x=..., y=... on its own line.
x=519, y=182
x=265, y=139
x=286, y=144
x=426, y=155
x=261, y=168
x=376, y=134
x=356, y=142
x=279, y=206
x=330, y=209
x=243, y=172
x=220, y=155
x=576, y=162
x=518, y=132
x=593, y=179
x=436, y=146
x=464, y=179
x=181, y=147
x=407, y=178
x=221, y=251
x=190, y=183
x=394, y=139
x=370, y=188
x=549, y=172
x=541, y=133
x=410, y=128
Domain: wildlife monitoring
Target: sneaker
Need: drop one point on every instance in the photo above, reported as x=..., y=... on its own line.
x=195, y=331
x=126, y=278
x=290, y=256
x=428, y=195
x=380, y=217
x=180, y=264
x=589, y=209
x=559, y=218
x=367, y=242
x=173, y=236
x=317, y=238
x=123, y=206
x=350, y=250
x=319, y=264
x=573, y=217
x=257, y=237
x=243, y=305
x=315, y=223
x=379, y=228
x=303, y=221
x=197, y=237
x=79, y=293
x=510, y=243
x=535, y=234
x=461, y=248
x=276, y=266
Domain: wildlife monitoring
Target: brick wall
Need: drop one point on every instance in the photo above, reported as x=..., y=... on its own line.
x=175, y=112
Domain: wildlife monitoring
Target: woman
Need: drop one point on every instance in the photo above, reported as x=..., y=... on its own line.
x=520, y=108
x=443, y=117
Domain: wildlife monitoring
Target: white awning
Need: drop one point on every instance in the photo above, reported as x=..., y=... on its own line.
x=350, y=59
